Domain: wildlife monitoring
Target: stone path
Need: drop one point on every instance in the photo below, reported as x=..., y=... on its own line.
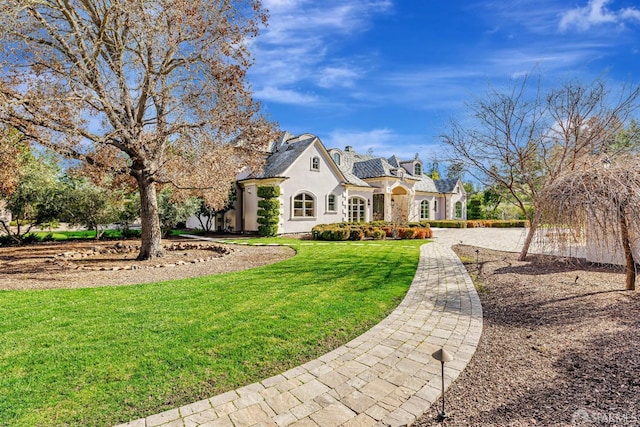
x=385, y=377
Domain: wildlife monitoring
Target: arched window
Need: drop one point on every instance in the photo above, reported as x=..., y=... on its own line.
x=357, y=209
x=417, y=169
x=315, y=163
x=331, y=203
x=424, y=209
x=458, y=209
x=336, y=158
x=303, y=206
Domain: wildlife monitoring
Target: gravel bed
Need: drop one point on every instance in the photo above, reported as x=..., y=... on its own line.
x=560, y=346
x=95, y=264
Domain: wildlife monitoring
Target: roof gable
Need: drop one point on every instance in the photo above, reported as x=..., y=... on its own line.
x=445, y=185
x=283, y=157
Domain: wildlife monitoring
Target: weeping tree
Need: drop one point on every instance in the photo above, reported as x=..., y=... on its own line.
x=601, y=202
x=523, y=138
x=153, y=89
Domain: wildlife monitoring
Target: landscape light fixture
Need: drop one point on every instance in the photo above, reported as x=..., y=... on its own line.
x=443, y=356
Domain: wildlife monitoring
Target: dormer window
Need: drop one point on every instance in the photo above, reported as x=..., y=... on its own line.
x=417, y=169
x=336, y=158
x=315, y=164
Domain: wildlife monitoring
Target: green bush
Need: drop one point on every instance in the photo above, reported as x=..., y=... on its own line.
x=268, y=220
x=268, y=230
x=379, y=234
x=269, y=205
x=449, y=223
x=268, y=192
x=356, y=234
x=269, y=212
x=406, y=232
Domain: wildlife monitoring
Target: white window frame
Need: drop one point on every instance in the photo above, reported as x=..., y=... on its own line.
x=360, y=208
x=307, y=201
x=329, y=203
x=425, y=208
x=315, y=163
x=455, y=209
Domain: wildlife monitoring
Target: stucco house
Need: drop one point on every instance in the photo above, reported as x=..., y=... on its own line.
x=321, y=186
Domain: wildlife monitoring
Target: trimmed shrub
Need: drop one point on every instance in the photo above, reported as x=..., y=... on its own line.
x=420, y=233
x=378, y=234
x=406, y=233
x=269, y=205
x=268, y=192
x=268, y=230
x=356, y=234
x=269, y=212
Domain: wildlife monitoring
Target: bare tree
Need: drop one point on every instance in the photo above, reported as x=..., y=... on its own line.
x=601, y=202
x=13, y=152
x=524, y=138
x=157, y=87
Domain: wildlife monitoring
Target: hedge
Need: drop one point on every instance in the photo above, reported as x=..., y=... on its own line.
x=377, y=231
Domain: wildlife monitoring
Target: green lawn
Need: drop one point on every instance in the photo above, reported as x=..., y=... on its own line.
x=101, y=356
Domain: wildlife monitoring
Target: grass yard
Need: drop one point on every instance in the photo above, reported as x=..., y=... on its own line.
x=102, y=356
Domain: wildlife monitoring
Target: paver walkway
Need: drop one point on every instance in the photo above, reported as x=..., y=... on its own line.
x=385, y=377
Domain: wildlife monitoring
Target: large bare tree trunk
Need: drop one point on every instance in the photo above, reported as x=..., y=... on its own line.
x=533, y=227
x=628, y=251
x=151, y=245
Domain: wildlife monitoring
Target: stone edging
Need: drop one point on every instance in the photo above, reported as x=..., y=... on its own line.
x=68, y=259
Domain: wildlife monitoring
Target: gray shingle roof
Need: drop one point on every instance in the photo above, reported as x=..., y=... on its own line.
x=394, y=161
x=372, y=168
x=445, y=185
x=286, y=153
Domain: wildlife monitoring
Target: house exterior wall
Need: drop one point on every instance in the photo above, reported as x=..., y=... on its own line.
x=319, y=183
x=249, y=210
x=458, y=195
x=417, y=206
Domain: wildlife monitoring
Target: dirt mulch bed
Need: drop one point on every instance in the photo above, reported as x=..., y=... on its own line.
x=82, y=264
x=560, y=346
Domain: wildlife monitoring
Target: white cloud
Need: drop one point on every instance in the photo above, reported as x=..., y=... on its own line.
x=337, y=77
x=284, y=96
x=298, y=47
x=597, y=13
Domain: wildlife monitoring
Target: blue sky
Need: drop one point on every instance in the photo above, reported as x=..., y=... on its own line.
x=386, y=75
